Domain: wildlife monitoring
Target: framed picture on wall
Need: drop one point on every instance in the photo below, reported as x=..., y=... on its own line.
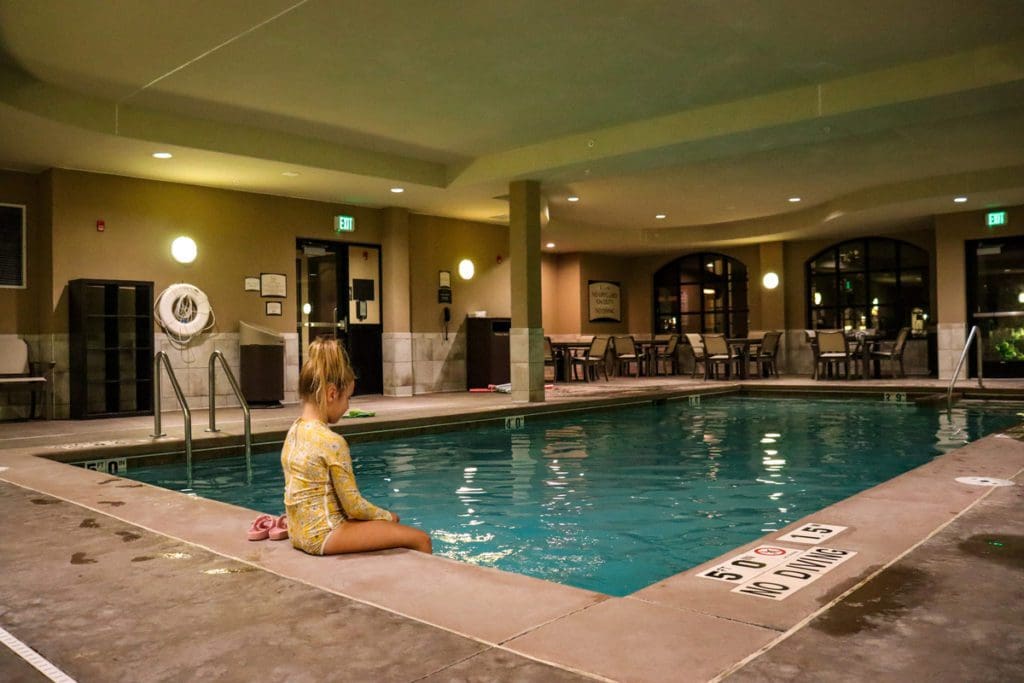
x=273, y=308
x=252, y=284
x=605, y=301
x=274, y=284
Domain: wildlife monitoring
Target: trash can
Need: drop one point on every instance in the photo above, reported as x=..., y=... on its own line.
x=261, y=364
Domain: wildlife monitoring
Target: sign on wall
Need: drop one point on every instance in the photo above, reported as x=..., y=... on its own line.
x=605, y=301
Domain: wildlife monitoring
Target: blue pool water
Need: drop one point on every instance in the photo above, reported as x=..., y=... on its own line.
x=615, y=500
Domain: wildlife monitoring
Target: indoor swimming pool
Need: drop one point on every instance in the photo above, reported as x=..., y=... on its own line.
x=615, y=500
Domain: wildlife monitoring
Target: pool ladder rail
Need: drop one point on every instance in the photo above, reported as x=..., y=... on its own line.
x=161, y=359
x=975, y=336
x=246, y=414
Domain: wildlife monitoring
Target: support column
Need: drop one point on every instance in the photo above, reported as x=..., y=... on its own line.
x=526, y=341
x=396, y=297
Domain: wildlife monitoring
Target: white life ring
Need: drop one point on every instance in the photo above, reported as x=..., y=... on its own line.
x=183, y=310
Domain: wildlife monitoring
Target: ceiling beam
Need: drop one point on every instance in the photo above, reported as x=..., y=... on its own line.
x=986, y=67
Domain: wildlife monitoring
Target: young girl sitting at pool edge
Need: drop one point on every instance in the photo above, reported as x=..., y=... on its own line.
x=326, y=513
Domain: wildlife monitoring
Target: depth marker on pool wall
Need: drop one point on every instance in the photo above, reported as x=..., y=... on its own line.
x=34, y=658
x=812, y=533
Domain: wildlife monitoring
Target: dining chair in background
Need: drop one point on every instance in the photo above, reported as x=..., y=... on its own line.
x=811, y=337
x=697, y=345
x=894, y=353
x=833, y=349
x=593, y=359
x=717, y=351
x=766, y=354
x=669, y=355
x=550, y=359
x=624, y=347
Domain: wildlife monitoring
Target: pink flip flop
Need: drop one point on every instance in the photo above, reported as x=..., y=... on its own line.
x=279, y=530
x=260, y=529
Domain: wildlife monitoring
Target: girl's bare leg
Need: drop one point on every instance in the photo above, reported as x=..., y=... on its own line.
x=357, y=536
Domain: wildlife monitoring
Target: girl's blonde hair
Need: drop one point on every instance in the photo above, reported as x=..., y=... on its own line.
x=326, y=364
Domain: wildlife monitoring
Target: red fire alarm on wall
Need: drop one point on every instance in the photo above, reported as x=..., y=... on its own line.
x=101, y=226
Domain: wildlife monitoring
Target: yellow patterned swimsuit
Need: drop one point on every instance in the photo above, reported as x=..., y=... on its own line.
x=320, y=489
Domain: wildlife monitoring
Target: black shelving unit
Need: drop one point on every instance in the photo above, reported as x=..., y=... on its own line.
x=111, y=348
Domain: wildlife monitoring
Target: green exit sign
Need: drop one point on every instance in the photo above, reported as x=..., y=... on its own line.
x=994, y=218
x=344, y=224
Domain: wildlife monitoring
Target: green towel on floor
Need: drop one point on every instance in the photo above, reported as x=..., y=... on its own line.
x=359, y=413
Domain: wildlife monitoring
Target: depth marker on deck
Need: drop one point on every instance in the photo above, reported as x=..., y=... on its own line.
x=34, y=658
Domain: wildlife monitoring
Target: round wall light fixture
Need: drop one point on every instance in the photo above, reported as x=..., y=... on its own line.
x=184, y=249
x=466, y=269
x=307, y=308
x=770, y=280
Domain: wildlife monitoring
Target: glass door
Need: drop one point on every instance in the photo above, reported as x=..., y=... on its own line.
x=339, y=296
x=995, y=303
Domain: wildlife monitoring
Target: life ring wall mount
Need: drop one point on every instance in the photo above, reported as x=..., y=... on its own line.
x=183, y=311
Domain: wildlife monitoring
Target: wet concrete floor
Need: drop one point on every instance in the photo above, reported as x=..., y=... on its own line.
x=951, y=610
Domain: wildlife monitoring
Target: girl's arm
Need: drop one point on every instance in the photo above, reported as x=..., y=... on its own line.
x=344, y=482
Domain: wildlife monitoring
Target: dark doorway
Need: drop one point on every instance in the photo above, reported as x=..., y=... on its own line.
x=339, y=296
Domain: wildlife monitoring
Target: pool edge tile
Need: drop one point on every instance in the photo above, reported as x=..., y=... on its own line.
x=627, y=639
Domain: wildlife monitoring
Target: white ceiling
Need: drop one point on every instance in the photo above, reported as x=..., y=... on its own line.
x=713, y=113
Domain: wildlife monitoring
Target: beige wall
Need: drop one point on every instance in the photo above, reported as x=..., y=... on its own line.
x=437, y=244
x=241, y=234
x=601, y=267
x=951, y=232
x=19, y=308
x=237, y=234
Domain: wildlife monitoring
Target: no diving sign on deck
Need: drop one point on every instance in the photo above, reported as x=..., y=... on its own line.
x=787, y=578
x=774, y=572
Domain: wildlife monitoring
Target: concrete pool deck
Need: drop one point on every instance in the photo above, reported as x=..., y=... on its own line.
x=114, y=580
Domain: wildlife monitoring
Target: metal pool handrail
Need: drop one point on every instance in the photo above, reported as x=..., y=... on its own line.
x=975, y=335
x=217, y=355
x=161, y=359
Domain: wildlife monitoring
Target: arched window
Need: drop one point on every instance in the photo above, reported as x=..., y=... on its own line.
x=870, y=282
x=702, y=292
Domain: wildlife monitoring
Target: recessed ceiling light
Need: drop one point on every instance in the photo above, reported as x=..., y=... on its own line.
x=162, y=155
x=959, y=200
x=659, y=216
x=573, y=198
x=794, y=200
x=290, y=174
x=550, y=245
x=398, y=190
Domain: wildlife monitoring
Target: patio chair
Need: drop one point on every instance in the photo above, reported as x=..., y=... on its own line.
x=669, y=355
x=833, y=349
x=811, y=338
x=697, y=345
x=895, y=352
x=593, y=359
x=550, y=359
x=766, y=354
x=717, y=351
x=624, y=347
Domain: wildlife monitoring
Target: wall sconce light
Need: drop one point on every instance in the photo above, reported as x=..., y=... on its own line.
x=184, y=249
x=466, y=269
x=770, y=280
x=817, y=298
x=307, y=308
